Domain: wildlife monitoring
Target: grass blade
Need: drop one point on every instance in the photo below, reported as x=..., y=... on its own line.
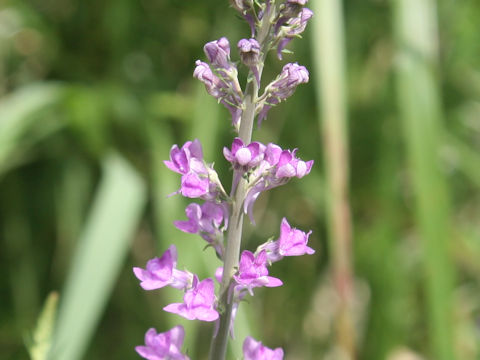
x=97, y=261
x=329, y=59
x=419, y=102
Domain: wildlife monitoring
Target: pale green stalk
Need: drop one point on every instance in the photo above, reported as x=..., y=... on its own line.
x=328, y=42
x=235, y=222
x=419, y=103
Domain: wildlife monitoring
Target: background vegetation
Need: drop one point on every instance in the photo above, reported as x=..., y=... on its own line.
x=93, y=95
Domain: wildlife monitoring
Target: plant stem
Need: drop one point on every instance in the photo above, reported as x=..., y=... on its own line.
x=235, y=224
x=234, y=234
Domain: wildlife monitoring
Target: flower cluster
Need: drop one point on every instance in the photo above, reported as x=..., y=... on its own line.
x=220, y=77
x=257, y=168
x=265, y=167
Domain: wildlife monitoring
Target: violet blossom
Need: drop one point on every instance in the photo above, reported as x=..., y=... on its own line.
x=163, y=346
x=293, y=28
x=253, y=272
x=281, y=88
x=276, y=169
x=198, y=302
x=221, y=82
x=162, y=271
x=218, y=53
x=199, y=180
x=254, y=350
x=206, y=220
x=244, y=157
x=292, y=242
x=249, y=50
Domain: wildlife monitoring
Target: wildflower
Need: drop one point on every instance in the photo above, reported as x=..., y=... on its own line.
x=163, y=346
x=253, y=272
x=242, y=156
x=218, y=53
x=275, y=170
x=282, y=87
x=162, y=271
x=292, y=28
x=254, y=350
x=292, y=242
x=180, y=158
x=249, y=50
x=206, y=220
x=198, y=302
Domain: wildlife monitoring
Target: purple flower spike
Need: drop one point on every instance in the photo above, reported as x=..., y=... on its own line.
x=254, y=350
x=218, y=53
x=198, y=302
x=161, y=272
x=163, y=346
x=253, y=272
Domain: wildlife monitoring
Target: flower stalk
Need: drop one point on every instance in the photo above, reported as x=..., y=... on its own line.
x=256, y=168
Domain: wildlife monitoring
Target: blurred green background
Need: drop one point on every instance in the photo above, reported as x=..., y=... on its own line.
x=94, y=93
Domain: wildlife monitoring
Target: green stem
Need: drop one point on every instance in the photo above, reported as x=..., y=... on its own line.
x=235, y=224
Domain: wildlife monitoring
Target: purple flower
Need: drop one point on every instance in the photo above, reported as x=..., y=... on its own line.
x=194, y=185
x=242, y=156
x=282, y=87
x=249, y=50
x=293, y=27
x=212, y=82
x=289, y=165
x=276, y=169
x=180, y=158
x=206, y=220
x=161, y=272
x=253, y=272
x=254, y=350
x=223, y=84
x=198, y=179
x=163, y=346
x=292, y=242
x=218, y=53
x=198, y=302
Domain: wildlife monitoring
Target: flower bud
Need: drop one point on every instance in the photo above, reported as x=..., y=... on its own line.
x=249, y=50
x=218, y=53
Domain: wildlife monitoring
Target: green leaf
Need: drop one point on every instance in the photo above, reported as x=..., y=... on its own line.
x=98, y=259
x=41, y=341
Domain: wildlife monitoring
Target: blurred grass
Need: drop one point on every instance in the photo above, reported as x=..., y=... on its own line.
x=82, y=79
x=419, y=101
x=98, y=258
